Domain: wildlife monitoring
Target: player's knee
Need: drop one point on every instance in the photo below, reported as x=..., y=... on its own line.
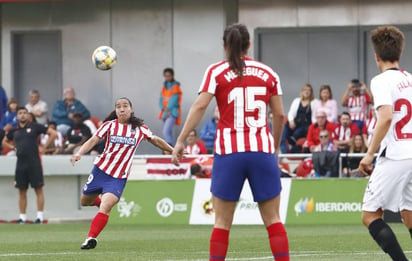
x=84, y=202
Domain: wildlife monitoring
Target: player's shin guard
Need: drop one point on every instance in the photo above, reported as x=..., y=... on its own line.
x=386, y=239
x=97, y=225
x=278, y=241
x=219, y=242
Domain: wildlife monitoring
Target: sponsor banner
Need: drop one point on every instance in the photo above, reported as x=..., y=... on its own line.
x=326, y=201
x=154, y=202
x=163, y=168
x=247, y=211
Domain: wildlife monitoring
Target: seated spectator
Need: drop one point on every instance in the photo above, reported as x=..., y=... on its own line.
x=208, y=132
x=194, y=146
x=357, y=98
x=299, y=119
x=93, y=123
x=2, y=134
x=37, y=107
x=321, y=123
x=77, y=135
x=31, y=117
x=369, y=126
x=326, y=164
x=3, y=103
x=327, y=104
x=64, y=110
x=10, y=116
x=344, y=131
x=350, y=164
x=325, y=157
x=55, y=147
x=201, y=167
x=326, y=144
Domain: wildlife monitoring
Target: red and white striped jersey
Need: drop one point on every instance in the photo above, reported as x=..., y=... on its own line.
x=121, y=141
x=342, y=133
x=242, y=104
x=358, y=107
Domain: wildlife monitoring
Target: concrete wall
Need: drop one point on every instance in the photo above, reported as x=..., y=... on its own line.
x=62, y=190
x=147, y=35
x=150, y=35
x=301, y=13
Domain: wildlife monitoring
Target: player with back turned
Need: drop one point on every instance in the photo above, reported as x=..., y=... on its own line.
x=244, y=144
x=388, y=189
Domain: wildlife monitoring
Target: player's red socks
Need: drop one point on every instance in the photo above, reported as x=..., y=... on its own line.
x=219, y=242
x=98, y=223
x=97, y=201
x=278, y=242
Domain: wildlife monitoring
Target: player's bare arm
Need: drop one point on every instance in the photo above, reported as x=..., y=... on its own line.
x=8, y=143
x=193, y=118
x=382, y=126
x=161, y=144
x=367, y=91
x=345, y=96
x=276, y=106
x=86, y=147
x=52, y=136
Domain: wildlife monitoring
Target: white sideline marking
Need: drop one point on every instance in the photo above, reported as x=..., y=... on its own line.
x=292, y=254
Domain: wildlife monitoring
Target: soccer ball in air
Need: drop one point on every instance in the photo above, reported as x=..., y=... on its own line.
x=104, y=58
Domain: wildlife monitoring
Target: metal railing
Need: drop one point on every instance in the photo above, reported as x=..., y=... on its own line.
x=290, y=156
x=299, y=156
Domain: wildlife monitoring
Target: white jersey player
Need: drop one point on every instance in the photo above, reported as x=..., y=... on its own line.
x=390, y=186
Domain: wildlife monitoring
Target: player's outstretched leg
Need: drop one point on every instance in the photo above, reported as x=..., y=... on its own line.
x=97, y=225
x=89, y=243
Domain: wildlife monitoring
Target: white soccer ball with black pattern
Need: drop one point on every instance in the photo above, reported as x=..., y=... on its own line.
x=104, y=58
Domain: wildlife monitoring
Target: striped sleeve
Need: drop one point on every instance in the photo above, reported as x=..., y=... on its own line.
x=101, y=132
x=147, y=133
x=209, y=79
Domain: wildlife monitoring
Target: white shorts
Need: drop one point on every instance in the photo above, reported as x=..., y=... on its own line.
x=390, y=186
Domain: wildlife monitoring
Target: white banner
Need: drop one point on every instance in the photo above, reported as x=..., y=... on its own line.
x=247, y=211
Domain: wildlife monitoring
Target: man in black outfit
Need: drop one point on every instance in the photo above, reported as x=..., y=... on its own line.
x=24, y=140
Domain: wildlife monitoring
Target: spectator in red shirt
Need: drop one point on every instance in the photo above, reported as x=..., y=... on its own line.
x=312, y=139
x=344, y=131
x=194, y=146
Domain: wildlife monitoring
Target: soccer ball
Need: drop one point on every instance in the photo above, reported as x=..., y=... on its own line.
x=104, y=58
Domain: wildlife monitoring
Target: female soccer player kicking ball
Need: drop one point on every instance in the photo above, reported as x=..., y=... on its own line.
x=244, y=146
x=122, y=132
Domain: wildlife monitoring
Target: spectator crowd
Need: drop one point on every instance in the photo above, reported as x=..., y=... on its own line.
x=312, y=124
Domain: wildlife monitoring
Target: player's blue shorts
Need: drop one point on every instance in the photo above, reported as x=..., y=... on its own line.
x=230, y=171
x=100, y=183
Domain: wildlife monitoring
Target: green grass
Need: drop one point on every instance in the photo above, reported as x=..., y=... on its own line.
x=184, y=242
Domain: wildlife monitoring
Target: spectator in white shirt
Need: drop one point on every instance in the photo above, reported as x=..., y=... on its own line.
x=37, y=107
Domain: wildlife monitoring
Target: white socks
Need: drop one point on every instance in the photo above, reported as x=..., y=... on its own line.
x=23, y=217
x=40, y=215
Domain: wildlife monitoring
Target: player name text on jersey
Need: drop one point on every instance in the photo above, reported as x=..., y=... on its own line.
x=248, y=71
x=404, y=84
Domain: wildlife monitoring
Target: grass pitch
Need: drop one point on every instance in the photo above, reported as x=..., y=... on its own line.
x=184, y=242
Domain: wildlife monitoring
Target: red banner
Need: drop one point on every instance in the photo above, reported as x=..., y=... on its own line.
x=163, y=168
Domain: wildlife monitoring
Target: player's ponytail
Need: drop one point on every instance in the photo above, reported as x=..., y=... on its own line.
x=236, y=42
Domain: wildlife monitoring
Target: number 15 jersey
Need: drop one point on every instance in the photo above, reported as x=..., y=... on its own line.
x=242, y=103
x=394, y=87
